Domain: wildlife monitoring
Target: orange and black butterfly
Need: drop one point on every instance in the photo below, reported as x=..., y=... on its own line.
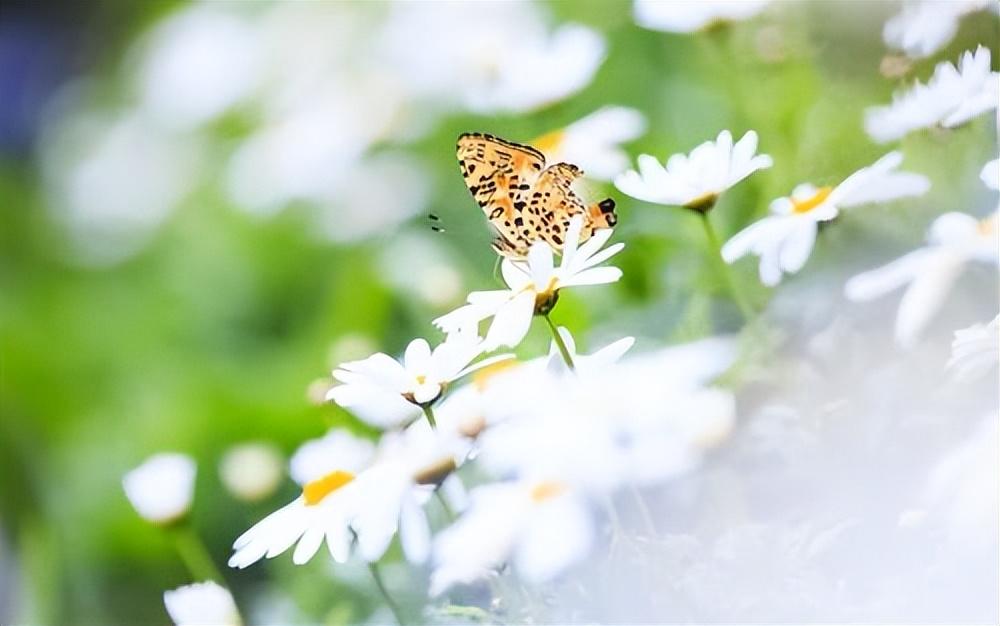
x=524, y=199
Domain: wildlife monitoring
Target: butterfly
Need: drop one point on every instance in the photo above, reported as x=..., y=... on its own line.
x=525, y=200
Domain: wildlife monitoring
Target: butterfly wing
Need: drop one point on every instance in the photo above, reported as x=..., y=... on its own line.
x=552, y=202
x=498, y=173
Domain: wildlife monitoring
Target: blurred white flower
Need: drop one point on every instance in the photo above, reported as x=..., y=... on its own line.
x=688, y=16
x=990, y=174
x=412, y=255
x=542, y=527
x=594, y=141
x=114, y=179
x=201, y=604
x=338, y=449
x=384, y=392
x=640, y=421
x=975, y=350
x=604, y=357
x=533, y=286
x=488, y=57
x=409, y=467
x=162, y=487
x=954, y=240
x=366, y=201
x=323, y=511
x=784, y=239
x=251, y=471
x=964, y=488
x=951, y=98
x=196, y=64
x=697, y=180
x=925, y=26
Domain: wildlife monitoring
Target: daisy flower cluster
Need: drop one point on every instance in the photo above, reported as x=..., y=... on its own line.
x=457, y=413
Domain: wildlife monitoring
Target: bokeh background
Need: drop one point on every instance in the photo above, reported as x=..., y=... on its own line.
x=205, y=206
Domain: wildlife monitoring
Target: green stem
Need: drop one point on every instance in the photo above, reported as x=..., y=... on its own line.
x=723, y=268
x=444, y=505
x=563, y=350
x=195, y=555
x=429, y=413
x=647, y=517
x=373, y=567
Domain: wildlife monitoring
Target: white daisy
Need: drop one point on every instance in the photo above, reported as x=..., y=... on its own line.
x=201, y=604
x=975, y=350
x=784, y=239
x=638, y=422
x=688, y=16
x=697, y=180
x=162, y=487
x=951, y=98
x=338, y=449
x=410, y=466
x=925, y=26
x=251, y=471
x=371, y=506
x=954, y=240
x=604, y=357
x=594, y=142
x=543, y=527
x=384, y=392
x=488, y=57
x=323, y=512
x=533, y=287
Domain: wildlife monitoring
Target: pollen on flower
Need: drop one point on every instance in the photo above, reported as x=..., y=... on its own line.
x=550, y=142
x=546, y=491
x=316, y=490
x=813, y=201
x=545, y=299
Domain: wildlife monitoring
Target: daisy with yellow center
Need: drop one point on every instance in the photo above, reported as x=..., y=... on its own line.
x=533, y=287
x=541, y=526
x=385, y=392
x=954, y=241
x=323, y=512
x=695, y=181
x=785, y=239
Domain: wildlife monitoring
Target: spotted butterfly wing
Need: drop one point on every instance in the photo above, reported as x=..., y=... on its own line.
x=522, y=198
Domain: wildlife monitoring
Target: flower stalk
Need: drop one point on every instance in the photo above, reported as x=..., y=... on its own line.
x=194, y=554
x=715, y=251
x=557, y=338
x=377, y=577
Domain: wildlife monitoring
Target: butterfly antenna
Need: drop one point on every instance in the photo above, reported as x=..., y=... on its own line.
x=435, y=223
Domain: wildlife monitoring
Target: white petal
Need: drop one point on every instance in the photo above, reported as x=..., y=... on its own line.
x=594, y=276
x=414, y=532
x=511, y=323
x=559, y=535
x=417, y=358
x=877, y=282
x=540, y=262
x=797, y=246
x=925, y=295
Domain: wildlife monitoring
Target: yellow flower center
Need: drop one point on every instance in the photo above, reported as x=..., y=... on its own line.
x=813, y=201
x=421, y=379
x=314, y=491
x=546, y=491
x=549, y=143
x=704, y=202
x=482, y=376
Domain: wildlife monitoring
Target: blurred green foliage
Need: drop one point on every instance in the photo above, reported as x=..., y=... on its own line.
x=211, y=335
